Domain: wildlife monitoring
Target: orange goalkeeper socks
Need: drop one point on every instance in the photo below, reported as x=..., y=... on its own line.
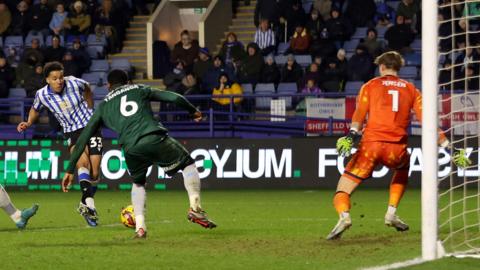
x=397, y=187
x=341, y=201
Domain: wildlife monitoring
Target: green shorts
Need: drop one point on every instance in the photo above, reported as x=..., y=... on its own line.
x=157, y=149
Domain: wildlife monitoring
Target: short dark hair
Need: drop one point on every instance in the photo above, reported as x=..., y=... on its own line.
x=391, y=60
x=52, y=66
x=117, y=77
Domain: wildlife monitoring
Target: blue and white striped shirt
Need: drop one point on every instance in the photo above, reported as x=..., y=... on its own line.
x=264, y=39
x=69, y=107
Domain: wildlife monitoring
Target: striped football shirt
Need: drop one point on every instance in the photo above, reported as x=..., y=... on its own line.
x=69, y=107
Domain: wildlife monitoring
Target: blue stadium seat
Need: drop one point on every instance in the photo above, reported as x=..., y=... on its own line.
x=280, y=60
x=307, y=6
x=48, y=41
x=121, y=63
x=95, y=78
x=17, y=93
x=290, y=88
x=95, y=52
x=381, y=32
x=262, y=103
x=98, y=41
x=408, y=72
x=303, y=60
x=418, y=84
x=348, y=55
x=247, y=88
x=100, y=92
x=416, y=45
x=360, y=32
x=30, y=37
x=99, y=65
x=393, y=4
x=14, y=41
x=413, y=59
x=283, y=47
x=351, y=45
x=265, y=87
x=353, y=87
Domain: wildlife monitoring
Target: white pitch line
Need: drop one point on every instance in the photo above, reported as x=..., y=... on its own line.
x=396, y=265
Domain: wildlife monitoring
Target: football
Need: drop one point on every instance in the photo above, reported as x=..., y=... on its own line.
x=128, y=217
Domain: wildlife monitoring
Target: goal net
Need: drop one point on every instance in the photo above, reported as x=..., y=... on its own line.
x=458, y=106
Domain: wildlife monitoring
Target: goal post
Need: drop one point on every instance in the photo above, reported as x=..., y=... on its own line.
x=429, y=129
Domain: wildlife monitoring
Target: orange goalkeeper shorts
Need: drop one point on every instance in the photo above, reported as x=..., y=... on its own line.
x=370, y=154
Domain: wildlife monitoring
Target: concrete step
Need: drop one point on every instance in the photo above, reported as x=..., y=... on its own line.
x=243, y=8
x=134, y=49
x=130, y=56
x=128, y=43
x=137, y=30
x=245, y=14
x=158, y=83
x=141, y=18
x=139, y=37
x=243, y=27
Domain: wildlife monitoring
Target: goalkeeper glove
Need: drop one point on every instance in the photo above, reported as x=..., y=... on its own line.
x=459, y=157
x=345, y=144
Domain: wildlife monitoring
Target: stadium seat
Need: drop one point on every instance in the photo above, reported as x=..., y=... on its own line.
x=95, y=52
x=418, y=84
x=121, y=63
x=283, y=47
x=265, y=87
x=247, y=88
x=48, y=41
x=13, y=42
x=408, y=72
x=280, y=60
x=413, y=59
x=95, y=78
x=348, y=55
x=360, y=32
x=100, y=92
x=381, y=32
x=353, y=87
x=99, y=65
x=287, y=89
x=97, y=41
x=30, y=37
x=416, y=45
x=307, y=6
x=303, y=60
x=393, y=4
x=351, y=45
x=17, y=93
x=262, y=103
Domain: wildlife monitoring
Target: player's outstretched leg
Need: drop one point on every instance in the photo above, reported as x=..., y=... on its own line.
x=86, y=207
x=341, y=202
x=191, y=180
x=397, y=189
x=19, y=217
x=139, y=197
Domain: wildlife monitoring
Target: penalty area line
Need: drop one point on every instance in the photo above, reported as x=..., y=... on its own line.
x=396, y=265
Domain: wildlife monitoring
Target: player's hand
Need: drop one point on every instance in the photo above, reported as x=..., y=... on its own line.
x=197, y=116
x=23, y=126
x=344, y=146
x=67, y=182
x=460, y=158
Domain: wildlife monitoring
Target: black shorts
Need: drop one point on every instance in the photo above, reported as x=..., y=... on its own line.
x=95, y=145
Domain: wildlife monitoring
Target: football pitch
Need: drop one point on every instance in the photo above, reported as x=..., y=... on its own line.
x=256, y=230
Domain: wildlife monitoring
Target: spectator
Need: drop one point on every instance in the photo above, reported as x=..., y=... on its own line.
x=342, y=63
x=293, y=14
x=231, y=49
x=41, y=16
x=56, y=23
x=77, y=23
x=333, y=77
x=360, y=65
x=21, y=20
x=314, y=26
x=311, y=87
x=267, y=9
x=173, y=80
x=34, y=50
x=70, y=67
x=7, y=77
x=471, y=11
x=210, y=79
x=360, y=12
x=467, y=57
x=384, y=15
x=338, y=28
x=313, y=73
x=225, y=87
x=5, y=19
x=189, y=85
x=54, y=52
x=408, y=9
x=13, y=58
x=203, y=64
x=106, y=19
x=26, y=70
x=265, y=38
x=91, y=6
x=80, y=56
x=374, y=46
x=300, y=42
x=469, y=80
x=185, y=50
x=291, y=71
x=445, y=30
x=270, y=71
x=35, y=82
x=447, y=76
x=251, y=66
x=324, y=46
x=400, y=36
x=323, y=7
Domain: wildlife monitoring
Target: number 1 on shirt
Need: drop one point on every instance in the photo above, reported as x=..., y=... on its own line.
x=394, y=94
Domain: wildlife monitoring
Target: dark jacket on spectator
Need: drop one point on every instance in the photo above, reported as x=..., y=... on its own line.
x=70, y=68
x=314, y=27
x=186, y=55
x=200, y=68
x=270, y=74
x=210, y=79
x=173, y=80
x=293, y=75
x=7, y=77
x=251, y=66
x=338, y=29
x=267, y=9
x=333, y=77
x=399, y=36
x=41, y=15
x=20, y=23
x=360, y=12
x=33, y=84
x=231, y=51
x=54, y=54
x=294, y=14
x=360, y=65
x=82, y=59
x=37, y=53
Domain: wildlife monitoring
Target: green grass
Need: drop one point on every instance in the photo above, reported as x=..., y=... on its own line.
x=257, y=230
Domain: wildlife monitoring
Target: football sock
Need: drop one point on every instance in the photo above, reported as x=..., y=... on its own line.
x=397, y=187
x=191, y=180
x=8, y=207
x=391, y=210
x=86, y=187
x=341, y=201
x=139, y=196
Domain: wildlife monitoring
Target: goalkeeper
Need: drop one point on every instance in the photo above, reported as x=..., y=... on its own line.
x=388, y=101
x=126, y=110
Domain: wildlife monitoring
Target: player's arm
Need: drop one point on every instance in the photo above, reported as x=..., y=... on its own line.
x=345, y=144
x=33, y=114
x=88, y=96
x=459, y=155
x=88, y=132
x=179, y=100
